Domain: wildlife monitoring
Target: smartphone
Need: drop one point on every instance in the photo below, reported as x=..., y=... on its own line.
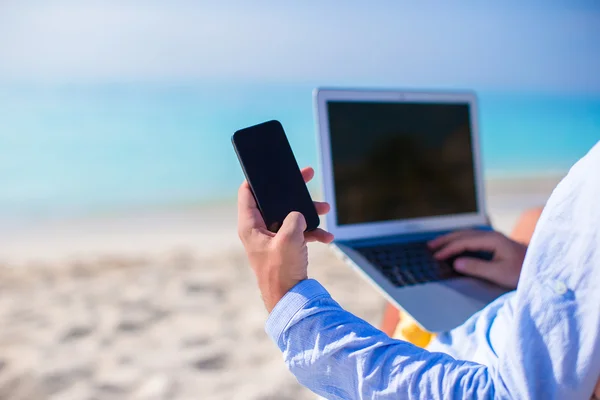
x=271, y=170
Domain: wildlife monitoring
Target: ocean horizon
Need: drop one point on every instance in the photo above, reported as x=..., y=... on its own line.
x=78, y=149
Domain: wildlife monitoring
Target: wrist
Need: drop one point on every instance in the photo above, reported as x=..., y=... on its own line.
x=272, y=290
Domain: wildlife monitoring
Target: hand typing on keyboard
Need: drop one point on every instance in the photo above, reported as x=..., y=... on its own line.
x=466, y=251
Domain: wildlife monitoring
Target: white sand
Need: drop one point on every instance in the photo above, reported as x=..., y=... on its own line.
x=160, y=306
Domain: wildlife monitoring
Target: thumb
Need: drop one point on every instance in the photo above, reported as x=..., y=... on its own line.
x=477, y=268
x=292, y=228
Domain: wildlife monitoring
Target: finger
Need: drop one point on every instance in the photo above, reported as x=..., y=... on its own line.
x=322, y=207
x=248, y=214
x=478, y=268
x=449, y=237
x=245, y=198
x=292, y=229
x=307, y=173
x=318, y=235
x=481, y=242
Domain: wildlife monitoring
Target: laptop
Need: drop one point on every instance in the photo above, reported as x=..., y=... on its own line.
x=400, y=168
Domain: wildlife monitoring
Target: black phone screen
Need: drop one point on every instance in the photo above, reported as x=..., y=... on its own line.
x=273, y=174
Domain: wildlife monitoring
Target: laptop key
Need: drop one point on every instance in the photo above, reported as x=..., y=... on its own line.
x=407, y=264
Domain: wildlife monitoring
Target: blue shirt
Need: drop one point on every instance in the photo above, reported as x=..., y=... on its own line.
x=541, y=341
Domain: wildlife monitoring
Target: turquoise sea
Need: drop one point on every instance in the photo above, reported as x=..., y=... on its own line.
x=84, y=149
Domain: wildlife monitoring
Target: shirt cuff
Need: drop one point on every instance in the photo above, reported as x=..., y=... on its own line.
x=289, y=305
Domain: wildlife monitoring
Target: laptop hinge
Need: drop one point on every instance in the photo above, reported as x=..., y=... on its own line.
x=404, y=237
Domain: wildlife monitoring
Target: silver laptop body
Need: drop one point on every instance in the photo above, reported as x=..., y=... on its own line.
x=400, y=168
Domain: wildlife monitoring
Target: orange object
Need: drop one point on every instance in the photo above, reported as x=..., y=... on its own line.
x=526, y=224
x=409, y=331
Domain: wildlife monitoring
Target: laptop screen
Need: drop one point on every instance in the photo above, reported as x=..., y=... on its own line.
x=395, y=161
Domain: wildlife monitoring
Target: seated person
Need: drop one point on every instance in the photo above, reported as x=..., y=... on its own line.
x=541, y=341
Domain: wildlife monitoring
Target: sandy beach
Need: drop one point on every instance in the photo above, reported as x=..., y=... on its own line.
x=161, y=305
x=122, y=276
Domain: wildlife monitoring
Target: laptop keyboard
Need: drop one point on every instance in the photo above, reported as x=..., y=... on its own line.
x=406, y=264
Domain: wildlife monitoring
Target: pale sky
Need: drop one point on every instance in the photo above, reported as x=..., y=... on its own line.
x=539, y=46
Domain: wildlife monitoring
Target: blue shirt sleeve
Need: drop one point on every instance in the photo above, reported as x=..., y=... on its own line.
x=339, y=356
x=552, y=339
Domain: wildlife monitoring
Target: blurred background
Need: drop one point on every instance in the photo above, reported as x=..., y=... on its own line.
x=120, y=271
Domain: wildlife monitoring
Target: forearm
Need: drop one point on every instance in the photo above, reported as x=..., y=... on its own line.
x=340, y=356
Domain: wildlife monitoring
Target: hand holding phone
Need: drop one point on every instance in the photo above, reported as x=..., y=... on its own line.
x=273, y=174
